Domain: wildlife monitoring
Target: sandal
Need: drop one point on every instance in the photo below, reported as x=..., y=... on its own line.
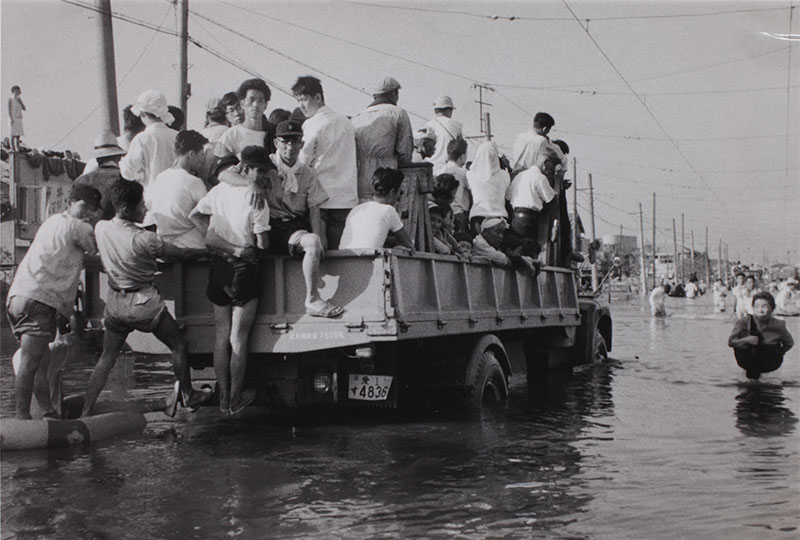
x=196, y=399
x=248, y=396
x=329, y=311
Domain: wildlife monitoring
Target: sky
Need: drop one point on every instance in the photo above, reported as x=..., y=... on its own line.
x=697, y=102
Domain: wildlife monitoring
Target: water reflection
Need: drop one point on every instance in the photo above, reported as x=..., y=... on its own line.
x=761, y=411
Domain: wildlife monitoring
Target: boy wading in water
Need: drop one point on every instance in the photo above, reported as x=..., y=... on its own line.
x=237, y=230
x=760, y=340
x=134, y=303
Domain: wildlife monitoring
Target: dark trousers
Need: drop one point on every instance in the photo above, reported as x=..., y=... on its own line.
x=334, y=219
x=525, y=222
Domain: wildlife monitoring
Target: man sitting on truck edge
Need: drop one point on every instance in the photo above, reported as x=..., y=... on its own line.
x=370, y=223
x=502, y=245
x=44, y=286
x=129, y=256
x=294, y=196
x=237, y=229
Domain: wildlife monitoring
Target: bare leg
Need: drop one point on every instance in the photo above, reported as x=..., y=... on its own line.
x=312, y=249
x=112, y=344
x=41, y=383
x=243, y=317
x=32, y=349
x=169, y=334
x=222, y=357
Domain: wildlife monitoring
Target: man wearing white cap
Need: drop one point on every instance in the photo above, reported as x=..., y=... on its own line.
x=153, y=150
x=446, y=130
x=383, y=134
x=107, y=153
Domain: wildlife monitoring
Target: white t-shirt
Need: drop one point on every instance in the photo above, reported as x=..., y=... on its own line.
x=173, y=194
x=368, y=225
x=526, y=149
x=232, y=216
x=461, y=200
x=530, y=189
x=150, y=152
x=446, y=130
x=329, y=147
x=236, y=139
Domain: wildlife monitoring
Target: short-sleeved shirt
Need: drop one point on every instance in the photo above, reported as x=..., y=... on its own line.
x=233, y=217
x=461, y=200
x=368, y=225
x=50, y=271
x=237, y=138
x=530, y=189
x=329, y=147
x=526, y=149
x=446, y=130
x=213, y=132
x=383, y=138
x=102, y=178
x=285, y=204
x=128, y=253
x=150, y=152
x=174, y=193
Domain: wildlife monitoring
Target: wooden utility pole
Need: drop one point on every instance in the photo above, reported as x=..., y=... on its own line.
x=708, y=266
x=727, y=267
x=675, y=250
x=721, y=276
x=184, y=89
x=683, y=249
x=643, y=270
x=575, y=233
x=486, y=127
x=691, y=267
x=109, y=111
x=591, y=211
x=654, y=240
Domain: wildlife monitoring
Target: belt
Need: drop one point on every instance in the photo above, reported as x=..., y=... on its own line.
x=522, y=210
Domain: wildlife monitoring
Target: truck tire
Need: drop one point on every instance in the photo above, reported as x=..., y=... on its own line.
x=489, y=388
x=600, y=351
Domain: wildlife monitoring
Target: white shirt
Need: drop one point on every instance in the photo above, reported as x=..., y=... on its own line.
x=237, y=138
x=232, y=217
x=213, y=132
x=368, y=225
x=446, y=130
x=329, y=147
x=526, y=148
x=51, y=268
x=530, y=189
x=151, y=152
x=461, y=200
x=174, y=193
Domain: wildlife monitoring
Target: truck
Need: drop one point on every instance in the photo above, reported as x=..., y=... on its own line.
x=412, y=321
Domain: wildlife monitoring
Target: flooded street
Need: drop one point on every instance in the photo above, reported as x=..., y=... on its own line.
x=667, y=441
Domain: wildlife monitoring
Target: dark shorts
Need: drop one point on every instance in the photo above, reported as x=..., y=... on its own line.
x=140, y=310
x=233, y=281
x=335, y=219
x=31, y=317
x=284, y=236
x=526, y=223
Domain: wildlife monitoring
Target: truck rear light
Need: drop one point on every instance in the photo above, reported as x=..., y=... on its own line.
x=365, y=352
x=322, y=382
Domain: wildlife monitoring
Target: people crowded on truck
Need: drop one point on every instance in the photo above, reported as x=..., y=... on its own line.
x=499, y=243
x=446, y=130
x=489, y=184
x=177, y=190
x=441, y=216
x=44, y=288
x=370, y=223
x=529, y=143
x=383, y=134
x=329, y=147
x=107, y=154
x=530, y=191
x=129, y=255
x=237, y=230
x=255, y=129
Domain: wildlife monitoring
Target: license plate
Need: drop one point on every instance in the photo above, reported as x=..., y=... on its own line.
x=369, y=387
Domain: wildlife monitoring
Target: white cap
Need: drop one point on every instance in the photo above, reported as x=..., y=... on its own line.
x=443, y=102
x=155, y=103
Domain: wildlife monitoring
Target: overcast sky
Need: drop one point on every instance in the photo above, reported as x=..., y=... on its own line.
x=695, y=101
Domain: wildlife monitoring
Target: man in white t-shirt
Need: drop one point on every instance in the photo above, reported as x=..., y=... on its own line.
x=255, y=130
x=370, y=223
x=446, y=130
x=329, y=147
x=529, y=192
x=457, y=158
x=528, y=144
x=176, y=191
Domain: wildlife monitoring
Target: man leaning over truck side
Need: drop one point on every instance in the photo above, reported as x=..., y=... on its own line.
x=129, y=256
x=236, y=230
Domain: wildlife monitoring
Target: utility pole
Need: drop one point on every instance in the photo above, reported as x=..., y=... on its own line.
x=654, y=240
x=486, y=126
x=591, y=211
x=721, y=276
x=683, y=249
x=185, y=90
x=727, y=267
x=641, y=240
x=708, y=269
x=675, y=250
x=575, y=234
x=691, y=267
x=109, y=111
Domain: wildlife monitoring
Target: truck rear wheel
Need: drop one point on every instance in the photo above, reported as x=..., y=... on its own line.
x=489, y=389
x=600, y=351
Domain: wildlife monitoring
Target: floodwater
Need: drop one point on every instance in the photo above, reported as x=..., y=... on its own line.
x=667, y=441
